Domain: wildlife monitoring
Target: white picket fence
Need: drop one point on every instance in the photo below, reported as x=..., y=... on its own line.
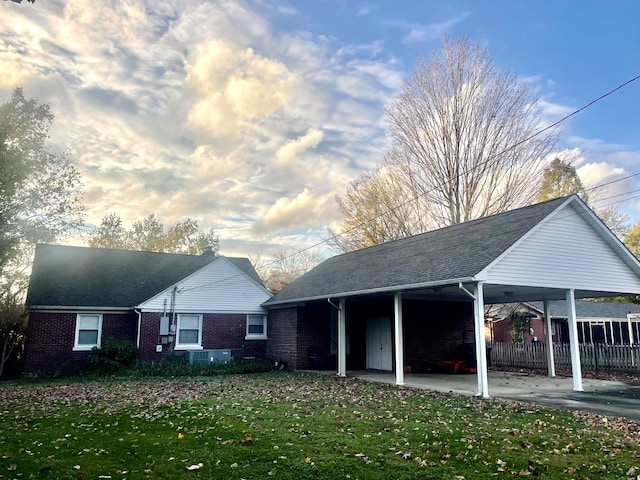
x=615, y=358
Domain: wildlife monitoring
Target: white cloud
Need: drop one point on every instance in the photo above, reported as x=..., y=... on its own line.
x=288, y=152
x=234, y=86
x=418, y=33
x=292, y=212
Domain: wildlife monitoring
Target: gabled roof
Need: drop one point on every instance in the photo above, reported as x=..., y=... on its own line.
x=450, y=253
x=458, y=253
x=584, y=309
x=65, y=276
x=558, y=309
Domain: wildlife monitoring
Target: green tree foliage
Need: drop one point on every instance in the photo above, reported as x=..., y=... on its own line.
x=149, y=235
x=40, y=194
x=40, y=199
x=560, y=178
x=632, y=239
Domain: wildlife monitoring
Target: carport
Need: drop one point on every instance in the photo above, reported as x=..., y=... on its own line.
x=555, y=250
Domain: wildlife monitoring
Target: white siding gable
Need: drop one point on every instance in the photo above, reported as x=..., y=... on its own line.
x=567, y=251
x=219, y=287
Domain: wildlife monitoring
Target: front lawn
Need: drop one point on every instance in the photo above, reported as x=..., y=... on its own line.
x=294, y=426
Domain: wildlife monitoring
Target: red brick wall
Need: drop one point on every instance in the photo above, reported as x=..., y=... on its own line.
x=282, y=330
x=502, y=331
x=314, y=330
x=431, y=330
x=51, y=335
x=219, y=331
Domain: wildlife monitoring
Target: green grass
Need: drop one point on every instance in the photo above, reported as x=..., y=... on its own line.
x=294, y=426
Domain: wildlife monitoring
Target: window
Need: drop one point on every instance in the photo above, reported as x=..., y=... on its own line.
x=88, y=331
x=189, y=332
x=256, y=327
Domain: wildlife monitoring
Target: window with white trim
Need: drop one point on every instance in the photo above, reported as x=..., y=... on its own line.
x=189, y=332
x=256, y=327
x=88, y=331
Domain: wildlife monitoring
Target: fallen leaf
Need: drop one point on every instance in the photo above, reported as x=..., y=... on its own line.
x=197, y=466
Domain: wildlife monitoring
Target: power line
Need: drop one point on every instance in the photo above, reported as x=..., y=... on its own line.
x=413, y=199
x=470, y=170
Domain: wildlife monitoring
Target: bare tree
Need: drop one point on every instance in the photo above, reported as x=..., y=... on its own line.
x=285, y=266
x=375, y=209
x=463, y=136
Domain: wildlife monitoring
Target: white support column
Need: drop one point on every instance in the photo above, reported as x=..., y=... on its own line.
x=399, y=340
x=573, y=341
x=633, y=360
x=481, y=346
x=342, y=339
x=551, y=367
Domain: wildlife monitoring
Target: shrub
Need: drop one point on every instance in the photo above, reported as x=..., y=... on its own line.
x=115, y=356
x=178, y=366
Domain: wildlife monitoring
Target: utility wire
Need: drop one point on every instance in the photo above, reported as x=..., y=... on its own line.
x=413, y=199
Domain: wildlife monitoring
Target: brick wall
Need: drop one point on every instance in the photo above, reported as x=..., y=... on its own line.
x=282, y=330
x=314, y=330
x=219, y=331
x=51, y=335
x=432, y=329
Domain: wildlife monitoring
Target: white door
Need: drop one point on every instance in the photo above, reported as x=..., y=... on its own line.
x=379, y=344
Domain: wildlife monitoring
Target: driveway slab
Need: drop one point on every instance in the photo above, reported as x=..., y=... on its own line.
x=600, y=396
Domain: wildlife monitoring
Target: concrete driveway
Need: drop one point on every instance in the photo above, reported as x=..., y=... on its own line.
x=600, y=396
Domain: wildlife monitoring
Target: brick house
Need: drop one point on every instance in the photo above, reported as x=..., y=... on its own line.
x=407, y=303
x=166, y=303
x=397, y=306
x=611, y=323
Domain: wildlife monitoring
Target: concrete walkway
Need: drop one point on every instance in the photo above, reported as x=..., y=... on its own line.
x=600, y=396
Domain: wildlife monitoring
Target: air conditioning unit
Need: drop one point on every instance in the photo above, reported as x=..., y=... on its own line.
x=203, y=357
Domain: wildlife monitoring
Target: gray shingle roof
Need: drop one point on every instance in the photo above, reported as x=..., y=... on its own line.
x=458, y=251
x=558, y=308
x=100, y=277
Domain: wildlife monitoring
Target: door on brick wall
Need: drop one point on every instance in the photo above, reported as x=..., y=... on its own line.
x=379, y=344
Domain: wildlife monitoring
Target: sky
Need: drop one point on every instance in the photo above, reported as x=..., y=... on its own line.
x=249, y=116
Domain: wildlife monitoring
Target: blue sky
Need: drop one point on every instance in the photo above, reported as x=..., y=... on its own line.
x=137, y=86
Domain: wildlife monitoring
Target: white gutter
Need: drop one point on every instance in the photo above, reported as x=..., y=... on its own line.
x=389, y=289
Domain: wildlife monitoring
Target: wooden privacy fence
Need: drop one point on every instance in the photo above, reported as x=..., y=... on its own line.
x=615, y=358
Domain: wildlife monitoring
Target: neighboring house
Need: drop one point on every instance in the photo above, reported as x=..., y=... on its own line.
x=611, y=323
x=166, y=303
x=410, y=302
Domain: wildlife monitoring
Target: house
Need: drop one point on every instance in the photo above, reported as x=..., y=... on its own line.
x=166, y=303
x=611, y=323
x=409, y=302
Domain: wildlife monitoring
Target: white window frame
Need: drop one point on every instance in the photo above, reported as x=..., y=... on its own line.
x=257, y=336
x=78, y=347
x=188, y=346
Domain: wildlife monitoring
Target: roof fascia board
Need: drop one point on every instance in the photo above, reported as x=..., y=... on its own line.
x=72, y=309
x=355, y=293
x=483, y=274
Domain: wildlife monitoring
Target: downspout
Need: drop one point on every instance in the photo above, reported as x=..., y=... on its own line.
x=333, y=304
x=139, y=312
